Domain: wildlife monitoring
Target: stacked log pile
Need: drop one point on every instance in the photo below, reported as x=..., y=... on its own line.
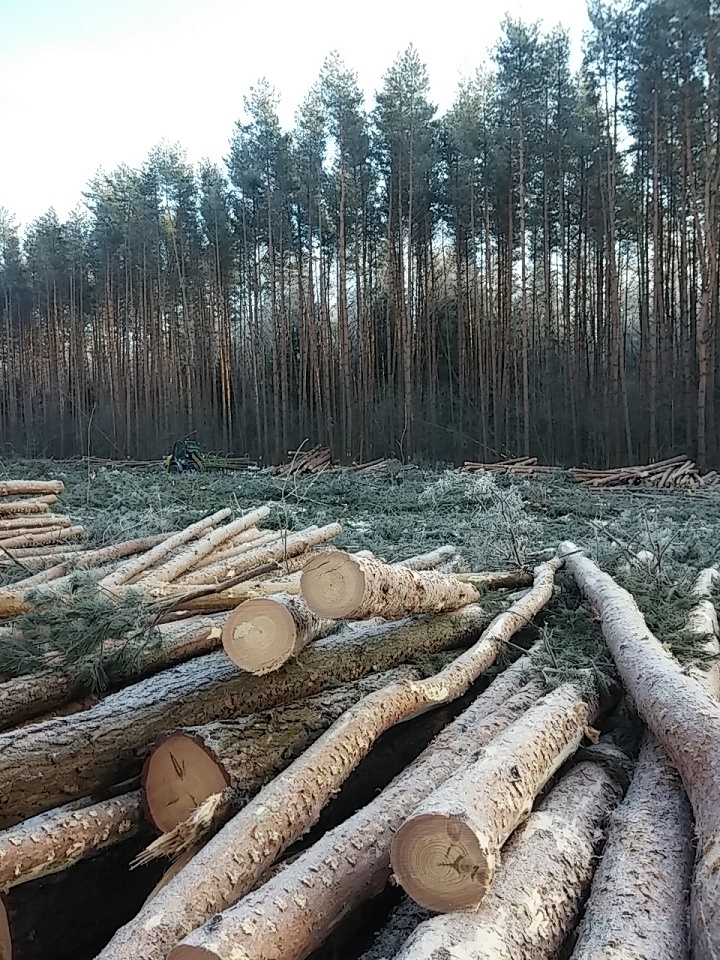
x=231, y=738
x=31, y=534
x=526, y=467
x=676, y=473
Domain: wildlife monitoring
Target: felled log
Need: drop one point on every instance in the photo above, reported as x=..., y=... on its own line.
x=250, y=843
x=263, y=633
x=56, y=840
x=35, y=694
x=44, y=765
x=538, y=892
x=681, y=713
x=30, y=488
x=131, y=568
x=497, y=579
x=222, y=558
x=351, y=863
x=340, y=585
x=446, y=854
x=34, y=505
x=200, y=549
x=294, y=545
x=49, y=536
x=639, y=896
x=36, y=522
x=189, y=765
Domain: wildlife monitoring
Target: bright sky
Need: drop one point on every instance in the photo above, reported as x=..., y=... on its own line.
x=90, y=84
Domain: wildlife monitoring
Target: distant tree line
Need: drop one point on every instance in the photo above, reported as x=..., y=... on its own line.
x=535, y=272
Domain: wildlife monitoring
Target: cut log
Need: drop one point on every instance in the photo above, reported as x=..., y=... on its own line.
x=681, y=713
x=25, y=697
x=351, y=863
x=222, y=558
x=263, y=633
x=445, y=855
x=342, y=586
x=44, y=765
x=497, y=580
x=37, y=522
x=30, y=488
x=53, y=536
x=131, y=568
x=250, y=843
x=294, y=545
x=206, y=545
x=639, y=895
x=59, y=839
x=190, y=765
x=539, y=890
x=36, y=505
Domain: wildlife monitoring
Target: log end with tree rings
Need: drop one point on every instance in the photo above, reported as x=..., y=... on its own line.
x=259, y=635
x=178, y=775
x=333, y=585
x=439, y=863
x=6, y=950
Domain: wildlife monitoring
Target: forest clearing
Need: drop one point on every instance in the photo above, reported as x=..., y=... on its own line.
x=384, y=713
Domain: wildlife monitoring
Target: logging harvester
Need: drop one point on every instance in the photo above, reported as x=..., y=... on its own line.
x=186, y=457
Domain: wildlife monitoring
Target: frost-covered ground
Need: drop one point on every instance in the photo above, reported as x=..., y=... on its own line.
x=496, y=522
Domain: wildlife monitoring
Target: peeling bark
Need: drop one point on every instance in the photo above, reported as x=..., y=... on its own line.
x=539, y=889
x=446, y=854
x=291, y=803
x=681, y=713
x=46, y=764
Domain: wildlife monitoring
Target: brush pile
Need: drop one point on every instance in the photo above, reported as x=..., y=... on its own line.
x=31, y=534
x=676, y=473
x=259, y=668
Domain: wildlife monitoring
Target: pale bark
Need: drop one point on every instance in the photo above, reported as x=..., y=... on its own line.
x=342, y=586
x=131, y=568
x=351, y=863
x=35, y=694
x=638, y=907
x=446, y=854
x=36, y=505
x=294, y=545
x=683, y=715
x=37, y=522
x=30, y=488
x=58, y=839
x=42, y=538
x=539, y=889
x=198, y=551
x=263, y=633
x=222, y=558
x=291, y=803
x=497, y=580
x=46, y=764
x=187, y=766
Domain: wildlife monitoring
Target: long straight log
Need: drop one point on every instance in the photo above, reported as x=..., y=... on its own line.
x=189, y=557
x=30, y=488
x=34, y=505
x=445, y=855
x=222, y=558
x=639, y=895
x=294, y=545
x=681, y=713
x=250, y=843
x=35, y=694
x=58, y=839
x=46, y=764
x=189, y=765
x=351, y=863
x=341, y=586
x=539, y=890
x=37, y=522
x=131, y=568
x=49, y=536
